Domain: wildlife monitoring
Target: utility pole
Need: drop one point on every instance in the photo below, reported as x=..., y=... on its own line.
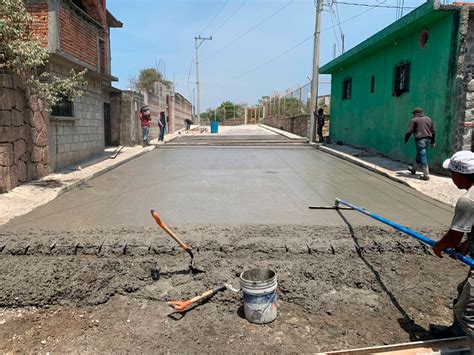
x=315, y=79
x=198, y=41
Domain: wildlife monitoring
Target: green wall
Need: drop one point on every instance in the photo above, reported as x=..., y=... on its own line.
x=379, y=120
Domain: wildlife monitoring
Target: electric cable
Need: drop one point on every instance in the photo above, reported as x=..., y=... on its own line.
x=250, y=30
x=372, y=5
x=230, y=17
x=215, y=16
x=299, y=44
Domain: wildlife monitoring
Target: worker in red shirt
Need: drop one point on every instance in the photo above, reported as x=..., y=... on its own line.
x=145, y=118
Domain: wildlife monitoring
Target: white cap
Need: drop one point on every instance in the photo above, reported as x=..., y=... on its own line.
x=461, y=162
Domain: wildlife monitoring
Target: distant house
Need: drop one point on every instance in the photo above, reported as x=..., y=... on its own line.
x=77, y=34
x=424, y=59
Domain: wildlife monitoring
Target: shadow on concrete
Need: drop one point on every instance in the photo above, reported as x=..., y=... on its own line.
x=49, y=183
x=414, y=330
x=407, y=175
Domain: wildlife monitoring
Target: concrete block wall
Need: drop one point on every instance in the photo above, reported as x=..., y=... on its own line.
x=183, y=109
x=296, y=125
x=129, y=103
x=156, y=105
x=74, y=139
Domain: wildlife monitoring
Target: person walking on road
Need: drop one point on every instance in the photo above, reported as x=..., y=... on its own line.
x=162, y=125
x=145, y=118
x=461, y=166
x=320, y=118
x=421, y=126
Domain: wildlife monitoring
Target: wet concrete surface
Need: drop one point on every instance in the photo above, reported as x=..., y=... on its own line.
x=234, y=186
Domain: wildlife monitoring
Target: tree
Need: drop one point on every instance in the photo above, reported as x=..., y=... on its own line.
x=146, y=79
x=21, y=52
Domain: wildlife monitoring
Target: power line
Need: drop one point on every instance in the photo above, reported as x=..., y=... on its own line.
x=299, y=44
x=215, y=16
x=372, y=5
x=228, y=18
x=331, y=14
x=250, y=30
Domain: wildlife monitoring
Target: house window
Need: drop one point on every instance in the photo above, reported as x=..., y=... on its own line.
x=64, y=108
x=401, y=79
x=372, y=84
x=423, y=40
x=79, y=4
x=347, y=88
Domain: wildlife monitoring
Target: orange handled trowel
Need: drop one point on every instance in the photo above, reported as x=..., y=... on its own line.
x=183, y=306
x=184, y=246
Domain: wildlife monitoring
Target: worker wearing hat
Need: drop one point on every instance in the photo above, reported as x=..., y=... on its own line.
x=421, y=126
x=461, y=166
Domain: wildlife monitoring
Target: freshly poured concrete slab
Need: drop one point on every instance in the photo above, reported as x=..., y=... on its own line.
x=234, y=185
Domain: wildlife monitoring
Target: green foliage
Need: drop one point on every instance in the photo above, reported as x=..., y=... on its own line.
x=146, y=80
x=22, y=53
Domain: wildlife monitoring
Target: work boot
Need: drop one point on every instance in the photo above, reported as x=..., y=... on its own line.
x=426, y=173
x=412, y=168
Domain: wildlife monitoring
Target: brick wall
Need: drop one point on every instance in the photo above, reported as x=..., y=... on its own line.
x=24, y=151
x=78, y=36
x=81, y=137
x=39, y=11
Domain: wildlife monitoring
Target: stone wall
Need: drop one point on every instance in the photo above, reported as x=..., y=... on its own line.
x=78, y=138
x=464, y=85
x=24, y=150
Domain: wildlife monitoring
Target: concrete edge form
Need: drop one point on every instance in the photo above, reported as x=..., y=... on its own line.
x=282, y=133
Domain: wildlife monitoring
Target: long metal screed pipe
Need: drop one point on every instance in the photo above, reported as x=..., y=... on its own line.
x=451, y=252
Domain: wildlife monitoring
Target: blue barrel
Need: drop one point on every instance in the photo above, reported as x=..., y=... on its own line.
x=214, y=126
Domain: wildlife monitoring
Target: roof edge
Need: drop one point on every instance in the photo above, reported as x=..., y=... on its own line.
x=415, y=15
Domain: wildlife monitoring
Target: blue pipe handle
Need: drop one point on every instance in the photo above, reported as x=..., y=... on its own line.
x=430, y=242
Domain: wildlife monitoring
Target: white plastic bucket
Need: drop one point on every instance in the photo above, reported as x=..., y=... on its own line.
x=259, y=289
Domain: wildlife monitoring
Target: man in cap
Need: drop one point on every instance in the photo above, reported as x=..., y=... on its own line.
x=422, y=128
x=461, y=166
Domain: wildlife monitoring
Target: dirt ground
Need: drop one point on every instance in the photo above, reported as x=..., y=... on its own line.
x=106, y=290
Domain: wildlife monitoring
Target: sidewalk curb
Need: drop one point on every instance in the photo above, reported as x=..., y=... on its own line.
x=361, y=163
x=282, y=133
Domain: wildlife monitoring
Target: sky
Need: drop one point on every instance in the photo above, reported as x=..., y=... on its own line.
x=258, y=47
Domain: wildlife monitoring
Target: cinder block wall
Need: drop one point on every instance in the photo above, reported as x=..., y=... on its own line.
x=74, y=139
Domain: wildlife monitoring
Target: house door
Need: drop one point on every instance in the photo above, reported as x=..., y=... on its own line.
x=107, y=125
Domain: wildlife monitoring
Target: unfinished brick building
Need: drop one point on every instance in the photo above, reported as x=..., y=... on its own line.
x=77, y=34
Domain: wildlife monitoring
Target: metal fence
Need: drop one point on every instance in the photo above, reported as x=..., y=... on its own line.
x=289, y=104
x=229, y=116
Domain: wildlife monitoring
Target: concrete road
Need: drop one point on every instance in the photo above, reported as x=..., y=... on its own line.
x=271, y=184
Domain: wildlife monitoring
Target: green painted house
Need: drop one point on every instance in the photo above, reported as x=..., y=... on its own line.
x=426, y=60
